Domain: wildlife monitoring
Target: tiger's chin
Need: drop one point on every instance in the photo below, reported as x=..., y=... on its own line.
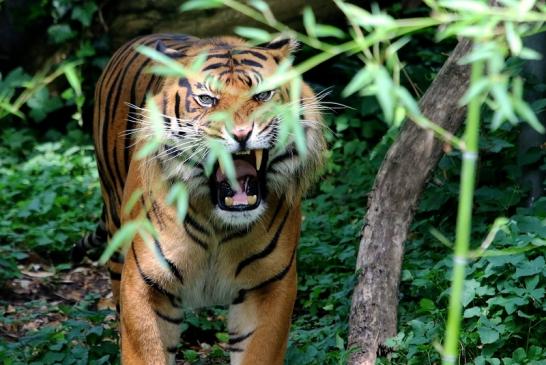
x=239, y=219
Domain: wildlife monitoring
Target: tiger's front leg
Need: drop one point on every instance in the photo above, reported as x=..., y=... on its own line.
x=150, y=314
x=259, y=321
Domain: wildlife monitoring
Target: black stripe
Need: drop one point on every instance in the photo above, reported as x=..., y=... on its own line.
x=237, y=234
x=271, y=124
x=285, y=156
x=234, y=340
x=157, y=215
x=233, y=349
x=278, y=44
x=195, y=238
x=175, y=300
x=276, y=213
x=104, y=141
x=214, y=66
x=266, y=251
x=279, y=276
x=117, y=88
x=195, y=225
x=130, y=122
x=114, y=275
x=172, y=349
x=218, y=55
x=177, y=108
x=168, y=318
x=251, y=63
x=254, y=53
x=172, y=267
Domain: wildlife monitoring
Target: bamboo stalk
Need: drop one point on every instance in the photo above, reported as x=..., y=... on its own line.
x=464, y=222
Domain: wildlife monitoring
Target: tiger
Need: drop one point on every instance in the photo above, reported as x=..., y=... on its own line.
x=236, y=245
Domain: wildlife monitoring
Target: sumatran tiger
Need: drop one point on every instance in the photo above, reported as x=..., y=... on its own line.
x=236, y=245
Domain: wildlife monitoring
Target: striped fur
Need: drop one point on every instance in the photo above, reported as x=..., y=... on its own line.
x=245, y=259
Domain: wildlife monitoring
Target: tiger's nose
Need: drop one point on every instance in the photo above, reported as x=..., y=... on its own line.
x=242, y=134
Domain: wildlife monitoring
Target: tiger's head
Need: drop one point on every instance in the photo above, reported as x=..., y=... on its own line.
x=226, y=85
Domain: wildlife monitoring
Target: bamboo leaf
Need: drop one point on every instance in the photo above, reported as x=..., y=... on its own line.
x=179, y=196
x=524, y=111
x=514, y=41
x=309, y=21
x=359, y=81
x=123, y=236
x=323, y=30
x=73, y=78
x=255, y=34
x=297, y=128
x=200, y=5
x=384, y=87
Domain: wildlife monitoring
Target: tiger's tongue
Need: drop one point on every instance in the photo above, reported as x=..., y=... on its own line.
x=242, y=170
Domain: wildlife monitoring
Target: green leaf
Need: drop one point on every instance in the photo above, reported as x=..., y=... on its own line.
x=472, y=312
x=309, y=21
x=359, y=81
x=514, y=41
x=178, y=195
x=123, y=236
x=488, y=335
x=41, y=104
x=73, y=78
x=255, y=34
x=523, y=110
x=261, y=5
x=427, y=305
x=295, y=106
x=175, y=68
x=60, y=33
x=323, y=30
x=465, y=6
x=529, y=268
x=200, y=5
x=84, y=13
x=384, y=87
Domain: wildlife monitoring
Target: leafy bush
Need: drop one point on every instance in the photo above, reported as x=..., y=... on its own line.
x=49, y=192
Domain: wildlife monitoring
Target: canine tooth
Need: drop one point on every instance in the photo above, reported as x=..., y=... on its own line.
x=259, y=155
x=228, y=201
x=251, y=199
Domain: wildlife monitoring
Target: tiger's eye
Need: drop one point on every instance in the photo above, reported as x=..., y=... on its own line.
x=206, y=100
x=263, y=96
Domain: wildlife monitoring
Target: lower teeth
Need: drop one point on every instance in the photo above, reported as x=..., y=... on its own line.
x=251, y=200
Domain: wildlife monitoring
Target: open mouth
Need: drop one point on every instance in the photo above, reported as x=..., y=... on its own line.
x=250, y=174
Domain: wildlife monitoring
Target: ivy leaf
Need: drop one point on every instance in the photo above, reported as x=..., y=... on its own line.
x=529, y=268
x=84, y=13
x=60, y=33
x=41, y=104
x=488, y=335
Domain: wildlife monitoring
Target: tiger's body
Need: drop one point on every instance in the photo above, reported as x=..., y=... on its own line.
x=236, y=246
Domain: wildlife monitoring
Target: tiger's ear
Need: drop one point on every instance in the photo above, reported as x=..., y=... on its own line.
x=172, y=53
x=282, y=46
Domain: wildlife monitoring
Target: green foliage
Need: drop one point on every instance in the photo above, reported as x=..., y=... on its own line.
x=87, y=337
x=49, y=190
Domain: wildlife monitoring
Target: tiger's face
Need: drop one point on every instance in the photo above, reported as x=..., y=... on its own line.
x=220, y=105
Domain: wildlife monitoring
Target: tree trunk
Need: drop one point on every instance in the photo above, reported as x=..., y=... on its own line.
x=391, y=205
x=126, y=19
